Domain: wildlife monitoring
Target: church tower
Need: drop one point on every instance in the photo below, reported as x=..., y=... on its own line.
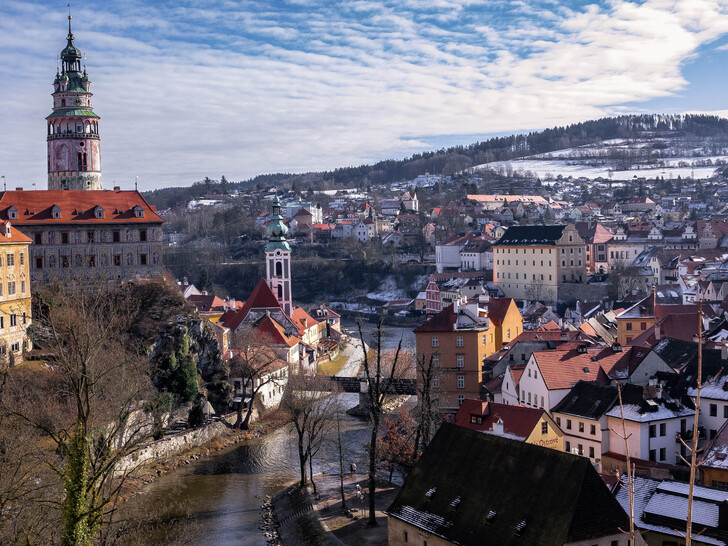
x=74, y=159
x=278, y=259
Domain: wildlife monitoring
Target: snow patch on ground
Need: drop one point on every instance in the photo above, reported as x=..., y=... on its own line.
x=388, y=291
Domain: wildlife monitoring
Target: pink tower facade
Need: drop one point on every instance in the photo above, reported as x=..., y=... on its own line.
x=74, y=155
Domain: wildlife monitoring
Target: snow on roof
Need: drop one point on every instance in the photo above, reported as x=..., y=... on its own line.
x=676, y=507
x=632, y=412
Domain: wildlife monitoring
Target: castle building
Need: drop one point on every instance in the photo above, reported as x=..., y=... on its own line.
x=278, y=259
x=87, y=235
x=74, y=158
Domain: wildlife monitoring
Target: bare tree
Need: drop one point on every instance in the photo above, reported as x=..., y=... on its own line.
x=629, y=485
x=89, y=404
x=379, y=375
x=255, y=364
x=427, y=411
x=311, y=412
x=536, y=290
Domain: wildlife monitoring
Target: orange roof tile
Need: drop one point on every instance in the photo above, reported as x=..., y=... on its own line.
x=562, y=369
x=276, y=332
x=76, y=207
x=262, y=297
x=298, y=316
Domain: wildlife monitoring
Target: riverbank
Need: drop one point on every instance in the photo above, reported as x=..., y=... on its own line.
x=300, y=517
x=145, y=474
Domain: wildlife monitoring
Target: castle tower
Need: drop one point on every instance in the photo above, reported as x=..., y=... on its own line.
x=278, y=259
x=74, y=159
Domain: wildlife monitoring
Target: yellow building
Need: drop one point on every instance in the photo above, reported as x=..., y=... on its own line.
x=529, y=262
x=636, y=320
x=15, y=301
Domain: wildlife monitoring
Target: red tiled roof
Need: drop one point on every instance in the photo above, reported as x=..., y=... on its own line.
x=517, y=372
x=444, y=321
x=550, y=326
x=15, y=236
x=34, y=207
x=276, y=333
x=562, y=369
x=497, y=309
x=262, y=297
x=517, y=420
x=206, y=302
x=298, y=316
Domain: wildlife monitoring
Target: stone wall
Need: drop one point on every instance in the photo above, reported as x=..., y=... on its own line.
x=571, y=292
x=171, y=445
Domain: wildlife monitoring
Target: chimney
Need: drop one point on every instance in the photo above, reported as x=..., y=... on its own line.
x=498, y=426
x=658, y=331
x=184, y=280
x=724, y=351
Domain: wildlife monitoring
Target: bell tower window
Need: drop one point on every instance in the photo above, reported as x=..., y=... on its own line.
x=63, y=102
x=279, y=269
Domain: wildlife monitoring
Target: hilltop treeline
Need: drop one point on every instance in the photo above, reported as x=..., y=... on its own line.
x=447, y=161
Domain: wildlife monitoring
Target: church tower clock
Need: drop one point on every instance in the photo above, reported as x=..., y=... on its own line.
x=74, y=159
x=278, y=259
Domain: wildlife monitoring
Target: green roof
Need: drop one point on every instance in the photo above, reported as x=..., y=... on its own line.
x=65, y=112
x=533, y=495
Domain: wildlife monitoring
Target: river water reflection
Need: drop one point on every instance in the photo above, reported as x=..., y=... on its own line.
x=216, y=500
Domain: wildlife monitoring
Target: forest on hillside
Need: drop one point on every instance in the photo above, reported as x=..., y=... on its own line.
x=447, y=161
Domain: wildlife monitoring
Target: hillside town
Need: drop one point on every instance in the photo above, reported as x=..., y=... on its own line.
x=532, y=367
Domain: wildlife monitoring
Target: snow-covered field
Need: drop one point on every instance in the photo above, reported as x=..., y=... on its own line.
x=585, y=161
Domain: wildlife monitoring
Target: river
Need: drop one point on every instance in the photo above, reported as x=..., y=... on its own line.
x=216, y=500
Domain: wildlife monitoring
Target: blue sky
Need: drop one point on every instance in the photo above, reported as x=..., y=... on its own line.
x=248, y=87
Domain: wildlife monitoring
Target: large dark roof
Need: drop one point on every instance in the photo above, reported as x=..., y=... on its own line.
x=531, y=235
x=588, y=400
x=463, y=475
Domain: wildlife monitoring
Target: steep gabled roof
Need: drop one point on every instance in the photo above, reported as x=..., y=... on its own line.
x=299, y=315
x=533, y=495
x=498, y=308
x=262, y=297
x=275, y=332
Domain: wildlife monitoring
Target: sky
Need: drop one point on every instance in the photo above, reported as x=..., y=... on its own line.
x=188, y=89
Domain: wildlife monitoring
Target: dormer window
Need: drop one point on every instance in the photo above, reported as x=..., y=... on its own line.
x=56, y=212
x=12, y=213
x=99, y=212
x=138, y=211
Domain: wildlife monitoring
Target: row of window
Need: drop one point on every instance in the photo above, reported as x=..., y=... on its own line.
x=11, y=288
x=525, y=276
x=516, y=250
x=13, y=320
x=508, y=262
x=92, y=261
x=10, y=259
x=526, y=399
x=92, y=236
x=643, y=326
x=592, y=427
x=579, y=449
x=460, y=341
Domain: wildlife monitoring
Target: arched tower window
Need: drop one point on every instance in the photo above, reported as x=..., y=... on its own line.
x=280, y=291
x=279, y=269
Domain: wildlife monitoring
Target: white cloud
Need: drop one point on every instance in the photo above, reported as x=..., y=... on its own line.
x=242, y=88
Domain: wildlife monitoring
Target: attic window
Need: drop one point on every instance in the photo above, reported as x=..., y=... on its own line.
x=455, y=503
x=13, y=213
x=490, y=516
x=55, y=212
x=586, y=370
x=138, y=212
x=431, y=493
x=518, y=530
x=99, y=212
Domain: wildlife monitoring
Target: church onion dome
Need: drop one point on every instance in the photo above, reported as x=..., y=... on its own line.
x=71, y=52
x=277, y=230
